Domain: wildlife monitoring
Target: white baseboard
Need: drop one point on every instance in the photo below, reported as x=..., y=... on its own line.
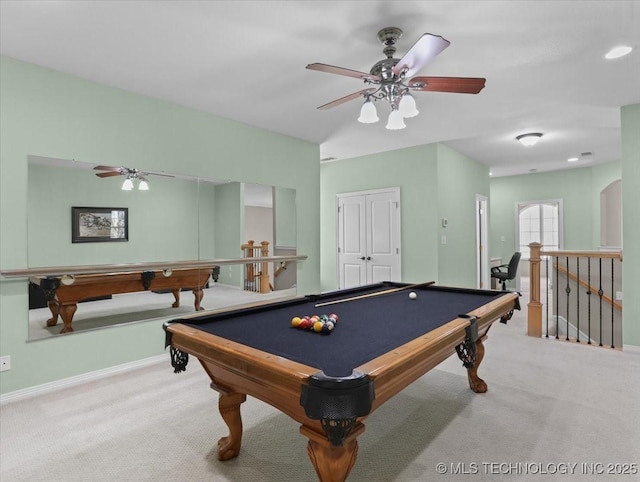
x=79, y=379
x=631, y=349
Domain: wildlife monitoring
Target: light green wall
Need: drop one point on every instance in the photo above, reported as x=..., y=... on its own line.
x=435, y=181
x=230, y=218
x=163, y=222
x=414, y=170
x=285, y=213
x=459, y=180
x=574, y=186
x=631, y=223
x=601, y=176
x=207, y=220
x=49, y=114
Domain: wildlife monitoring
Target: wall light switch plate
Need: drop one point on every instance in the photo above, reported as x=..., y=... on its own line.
x=445, y=222
x=5, y=363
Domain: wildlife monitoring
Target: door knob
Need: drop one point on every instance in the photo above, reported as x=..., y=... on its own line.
x=362, y=258
x=368, y=258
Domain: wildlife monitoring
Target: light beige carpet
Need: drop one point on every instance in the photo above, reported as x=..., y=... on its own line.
x=552, y=406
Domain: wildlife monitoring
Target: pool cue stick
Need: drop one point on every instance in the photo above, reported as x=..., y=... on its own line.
x=370, y=295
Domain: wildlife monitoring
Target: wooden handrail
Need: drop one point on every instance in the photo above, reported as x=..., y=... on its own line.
x=584, y=254
x=119, y=268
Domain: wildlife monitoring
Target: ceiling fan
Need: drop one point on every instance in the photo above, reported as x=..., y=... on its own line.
x=392, y=79
x=131, y=175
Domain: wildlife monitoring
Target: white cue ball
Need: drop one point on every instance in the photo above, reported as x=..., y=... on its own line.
x=412, y=295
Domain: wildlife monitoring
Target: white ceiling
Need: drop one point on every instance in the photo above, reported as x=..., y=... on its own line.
x=245, y=60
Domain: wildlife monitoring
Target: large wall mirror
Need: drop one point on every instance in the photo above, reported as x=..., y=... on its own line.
x=79, y=218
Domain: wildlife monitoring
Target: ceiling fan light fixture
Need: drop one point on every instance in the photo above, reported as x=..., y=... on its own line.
x=530, y=139
x=127, y=185
x=368, y=114
x=392, y=78
x=407, y=106
x=144, y=185
x=395, y=121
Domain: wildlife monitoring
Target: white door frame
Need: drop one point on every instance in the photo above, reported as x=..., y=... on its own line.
x=482, y=242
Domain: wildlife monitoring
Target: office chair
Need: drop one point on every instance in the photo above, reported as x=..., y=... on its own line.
x=502, y=275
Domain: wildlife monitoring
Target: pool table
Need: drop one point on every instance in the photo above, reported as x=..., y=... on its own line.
x=63, y=293
x=383, y=341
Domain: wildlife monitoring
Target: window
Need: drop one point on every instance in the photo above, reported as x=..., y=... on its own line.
x=539, y=222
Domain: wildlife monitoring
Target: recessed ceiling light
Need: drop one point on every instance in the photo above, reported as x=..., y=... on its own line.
x=617, y=52
x=530, y=139
x=572, y=159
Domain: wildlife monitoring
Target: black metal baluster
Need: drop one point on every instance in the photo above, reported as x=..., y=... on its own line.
x=600, y=293
x=612, y=298
x=557, y=297
x=578, y=300
x=589, y=301
x=568, y=291
x=546, y=301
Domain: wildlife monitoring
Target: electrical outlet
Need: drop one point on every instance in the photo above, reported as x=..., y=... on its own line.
x=618, y=295
x=5, y=363
x=443, y=239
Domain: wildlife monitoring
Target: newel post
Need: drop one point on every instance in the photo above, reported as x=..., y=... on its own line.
x=264, y=272
x=534, y=313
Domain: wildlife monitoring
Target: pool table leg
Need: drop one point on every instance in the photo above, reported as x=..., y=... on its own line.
x=332, y=463
x=476, y=383
x=198, y=294
x=229, y=406
x=54, y=307
x=176, y=295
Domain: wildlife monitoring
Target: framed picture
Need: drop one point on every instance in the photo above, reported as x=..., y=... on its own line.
x=94, y=225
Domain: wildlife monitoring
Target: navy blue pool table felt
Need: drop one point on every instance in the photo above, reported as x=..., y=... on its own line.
x=367, y=328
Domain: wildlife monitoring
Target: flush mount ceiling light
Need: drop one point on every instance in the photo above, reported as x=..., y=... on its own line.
x=573, y=159
x=530, y=139
x=618, y=51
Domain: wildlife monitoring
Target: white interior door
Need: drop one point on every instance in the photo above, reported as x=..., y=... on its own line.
x=352, y=249
x=383, y=251
x=368, y=237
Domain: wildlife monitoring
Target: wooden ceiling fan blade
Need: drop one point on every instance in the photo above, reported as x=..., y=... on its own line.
x=425, y=49
x=108, y=168
x=330, y=69
x=156, y=174
x=460, y=85
x=347, y=98
x=108, y=174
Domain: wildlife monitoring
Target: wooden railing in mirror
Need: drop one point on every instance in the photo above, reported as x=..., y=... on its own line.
x=576, y=296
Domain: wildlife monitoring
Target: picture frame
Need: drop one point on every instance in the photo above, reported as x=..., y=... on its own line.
x=99, y=225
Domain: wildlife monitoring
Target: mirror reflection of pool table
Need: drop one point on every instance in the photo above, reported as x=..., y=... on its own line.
x=330, y=383
x=63, y=293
